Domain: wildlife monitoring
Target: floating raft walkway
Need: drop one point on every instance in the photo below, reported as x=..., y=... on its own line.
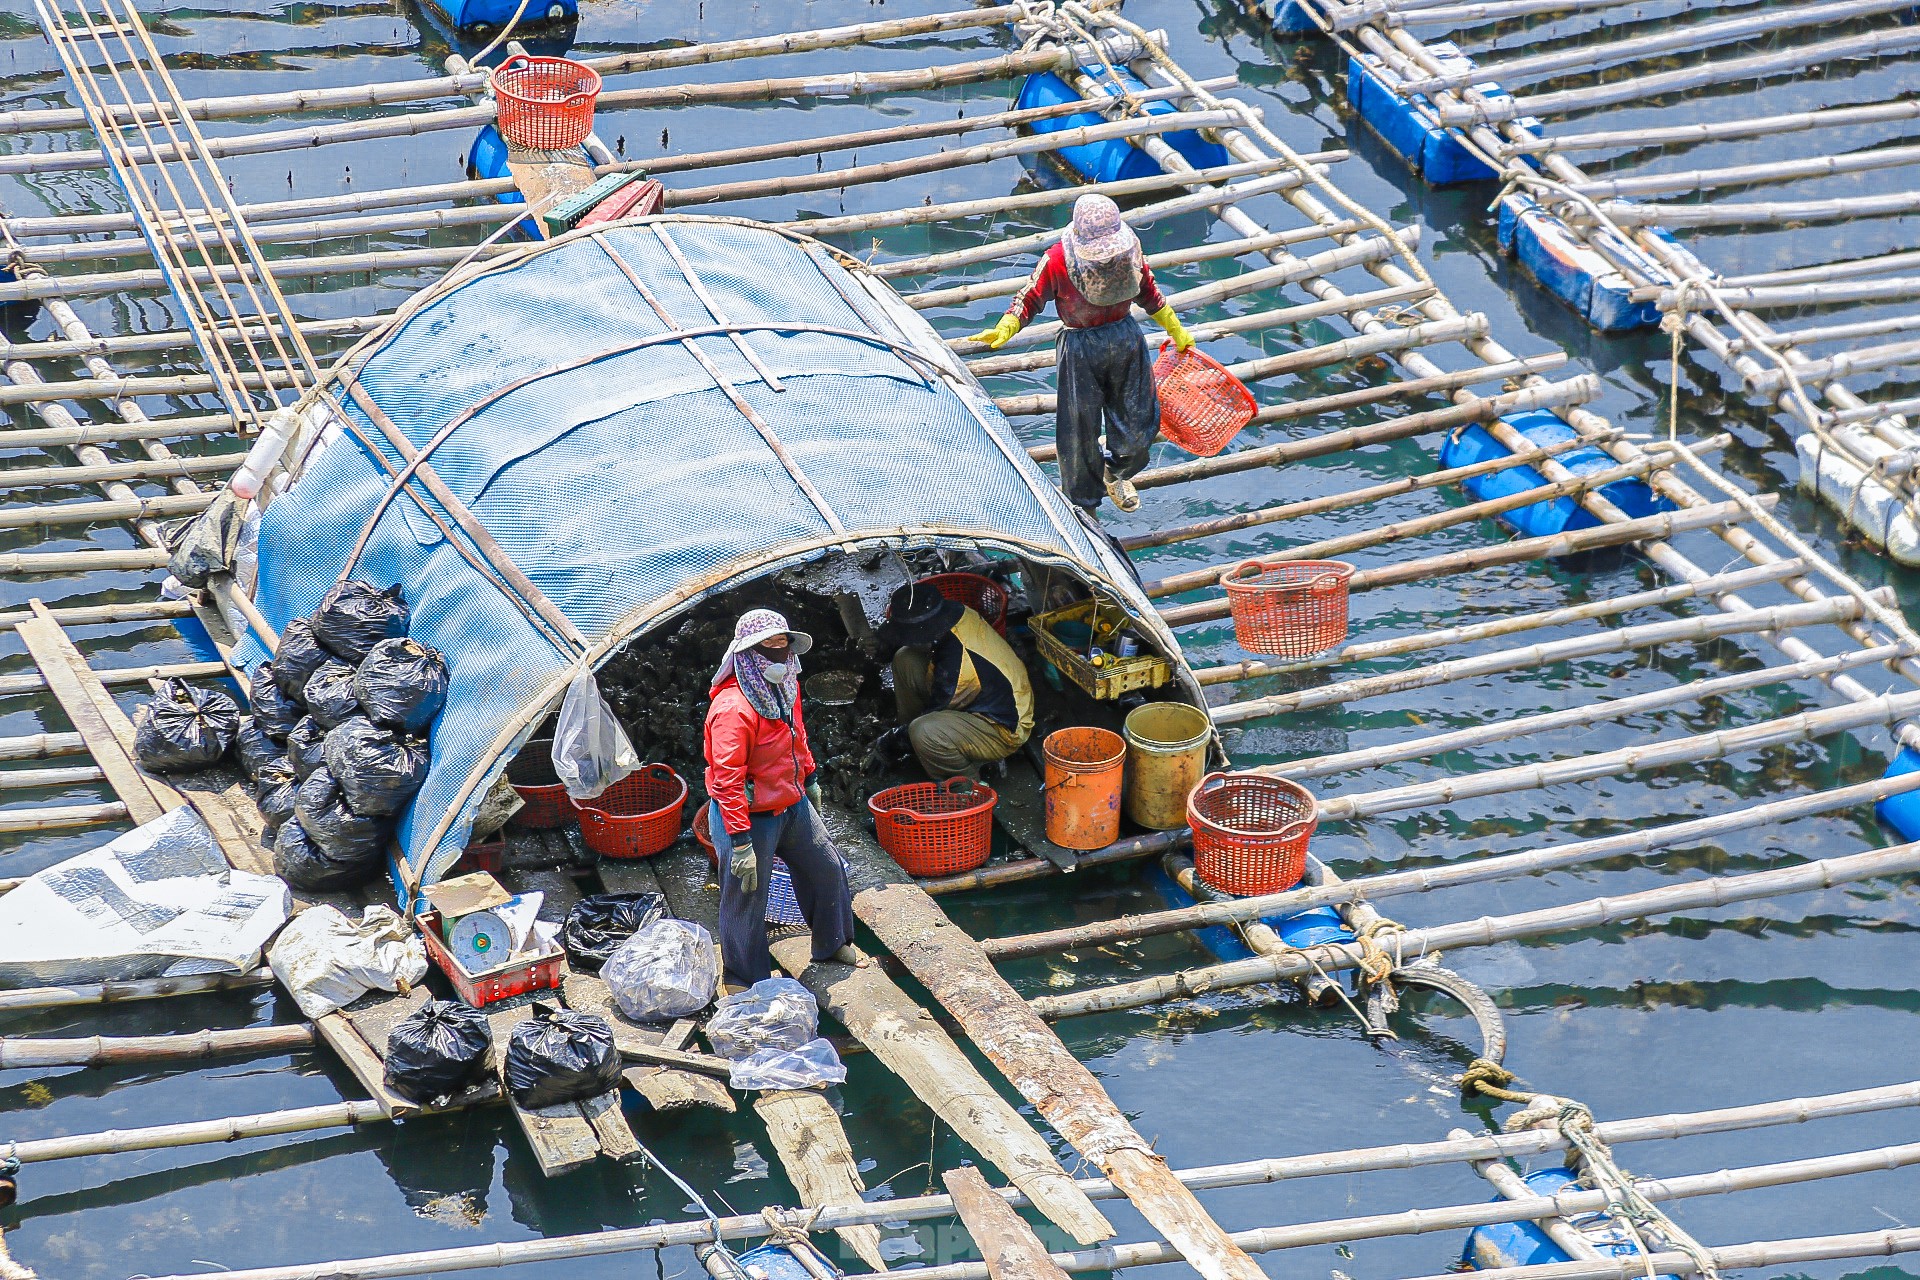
x=1631, y=147
x=1523, y=484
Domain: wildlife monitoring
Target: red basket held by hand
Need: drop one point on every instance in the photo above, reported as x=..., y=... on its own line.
x=544, y=104
x=1288, y=608
x=1250, y=831
x=1202, y=406
x=935, y=828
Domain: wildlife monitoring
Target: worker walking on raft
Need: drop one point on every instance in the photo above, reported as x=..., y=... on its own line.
x=1093, y=276
x=766, y=802
x=961, y=691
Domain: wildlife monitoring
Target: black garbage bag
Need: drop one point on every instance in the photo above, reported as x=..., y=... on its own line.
x=305, y=866
x=438, y=1049
x=207, y=544
x=276, y=791
x=329, y=695
x=306, y=747
x=561, y=1055
x=332, y=824
x=377, y=768
x=300, y=655
x=254, y=746
x=596, y=926
x=402, y=684
x=354, y=617
x=182, y=728
x=276, y=712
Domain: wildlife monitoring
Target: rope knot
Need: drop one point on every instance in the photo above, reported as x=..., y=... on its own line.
x=1484, y=1075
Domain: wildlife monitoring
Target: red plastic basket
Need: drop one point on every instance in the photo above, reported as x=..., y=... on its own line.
x=482, y=989
x=544, y=104
x=1288, y=608
x=935, y=828
x=977, y=591
x=544, y=795
x=1250, y=831
x=637, y=816
x=1202, y=406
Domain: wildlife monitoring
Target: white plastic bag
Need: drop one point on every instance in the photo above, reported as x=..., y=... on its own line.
x=591, y=751
x=809, y=1066
x=774, y=1013
x=327, y=961
x=667, y=970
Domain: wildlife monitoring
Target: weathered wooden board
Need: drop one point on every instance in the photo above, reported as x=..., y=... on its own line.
x=546, y=178
x=1007, y=1244
x=561, y=1137
x=813, y=1148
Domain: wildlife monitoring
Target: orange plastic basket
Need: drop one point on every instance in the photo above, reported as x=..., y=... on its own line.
x=544, y=796
x=544, y=104
x=935, y=828
x=637, y=816
x=1288, y=608
x=977, y=591
x=1202, y=406
x=1250, y=831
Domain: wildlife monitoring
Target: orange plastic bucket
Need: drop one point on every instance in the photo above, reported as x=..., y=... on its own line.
x=1084, y=767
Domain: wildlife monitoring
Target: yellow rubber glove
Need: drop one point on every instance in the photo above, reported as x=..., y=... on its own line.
x=1164, y=317
x=997, y=337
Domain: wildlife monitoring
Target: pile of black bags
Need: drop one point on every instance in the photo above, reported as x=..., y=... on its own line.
x=181, y=728
x=336, y=739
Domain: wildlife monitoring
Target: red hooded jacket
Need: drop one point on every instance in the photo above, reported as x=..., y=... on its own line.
x=744, y=747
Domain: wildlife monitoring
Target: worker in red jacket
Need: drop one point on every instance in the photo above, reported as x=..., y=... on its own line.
x=760, y=773
x=1094, y=276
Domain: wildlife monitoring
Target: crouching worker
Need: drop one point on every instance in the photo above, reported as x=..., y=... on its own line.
x=961, y=690
x=760, y=773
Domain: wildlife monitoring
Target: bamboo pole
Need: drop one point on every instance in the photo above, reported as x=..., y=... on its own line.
x=1779, y=339
x=1607, y=709
x=1246, y=1173
x=1337, y=501
x=42, y=779
x=1844, y=365
x=96, y=473
x=1480, y=110
x=1369, y=651
x=413, y=222
x=1512, y=1186
x=99, y=615
x=1419, y=526
x=157, y=508
x=33, y=682
x=1709, y=892
x=1573, y=390
x=1715, y=131
x=1544, y=548
x=1850, y=268
x=402, y=91
x=29, y=563
x=1460, y=15
x=338, y=1115
x=1449, y=875
x=1694, y=630
x=62, y=818
x=84, y=993
x=101, y=1051
x=1587, y=57
x=1723, y=213
x=1813, y=295
x=1765, y=1253
x=42, y=746
x=1691, y=180
x=79, y=433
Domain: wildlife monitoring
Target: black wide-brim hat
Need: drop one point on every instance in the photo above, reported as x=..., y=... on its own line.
x=919, y=615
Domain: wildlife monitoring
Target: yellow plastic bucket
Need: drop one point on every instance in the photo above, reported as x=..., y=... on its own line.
x=1083, y=786
x=1166, y=758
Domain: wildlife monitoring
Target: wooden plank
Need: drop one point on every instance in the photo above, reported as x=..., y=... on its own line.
x=345, y=1040
x=1007, y=1244
x=546, y=178
x=636, y=1041
x=1021, y=811
x=955, y=969
x=907, y=1039
x=562, y=1139
x=668, y=1090
x=603, y=1113
x=374, y=1015
x=813, y=1148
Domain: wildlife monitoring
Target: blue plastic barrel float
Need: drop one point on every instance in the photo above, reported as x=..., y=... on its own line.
x=1302, y=929
x=1556, y=515
x=1524, y=1244
x=1409, y=124
x=1116, y=158
x=464, y=15
x=488, y=159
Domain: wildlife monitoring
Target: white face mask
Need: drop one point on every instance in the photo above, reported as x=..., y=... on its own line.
x=775, y=672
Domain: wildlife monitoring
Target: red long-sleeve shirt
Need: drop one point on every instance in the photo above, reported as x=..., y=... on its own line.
x=1050, y=282
x=744, y=746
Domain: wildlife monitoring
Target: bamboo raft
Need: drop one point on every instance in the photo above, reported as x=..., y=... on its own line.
x=1586, y=110
x=1332, y=296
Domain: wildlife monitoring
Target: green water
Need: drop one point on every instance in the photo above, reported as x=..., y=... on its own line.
x=1764, y=1001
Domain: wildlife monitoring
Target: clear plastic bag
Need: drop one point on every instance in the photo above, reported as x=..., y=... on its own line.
x=591, y=751
x=666, y=970
x=809, y=1066
x=774, y=1013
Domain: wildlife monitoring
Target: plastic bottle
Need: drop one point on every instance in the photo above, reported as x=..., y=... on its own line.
x=265, y=453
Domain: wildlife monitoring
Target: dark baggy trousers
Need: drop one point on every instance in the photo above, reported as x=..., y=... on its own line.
x=799, y=837
x=1105, y=378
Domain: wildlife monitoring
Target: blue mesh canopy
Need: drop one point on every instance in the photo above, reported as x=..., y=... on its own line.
x=581, y=444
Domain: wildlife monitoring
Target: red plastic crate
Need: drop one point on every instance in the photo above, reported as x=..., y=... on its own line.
x=493, y=985
x=487, y=855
